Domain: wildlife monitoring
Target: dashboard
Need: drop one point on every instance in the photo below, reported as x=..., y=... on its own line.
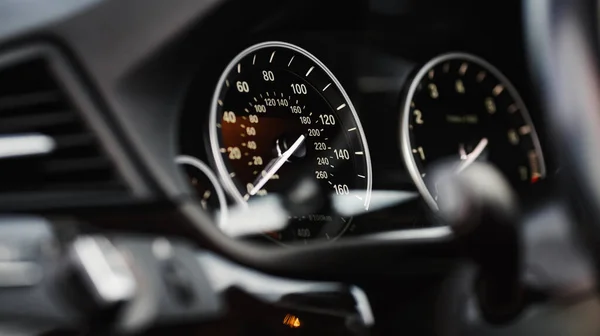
x=362, y=100
x=281, y=159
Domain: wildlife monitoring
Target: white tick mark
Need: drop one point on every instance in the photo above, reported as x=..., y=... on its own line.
x=498, y=89
x=481, y=76
x=463, y=68
x=524, y=130
x=309, y=71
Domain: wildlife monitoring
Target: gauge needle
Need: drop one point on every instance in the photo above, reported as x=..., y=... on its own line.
x=275, y=165
x=468, y=159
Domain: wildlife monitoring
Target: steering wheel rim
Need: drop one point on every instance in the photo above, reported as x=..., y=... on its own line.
x=563, y=52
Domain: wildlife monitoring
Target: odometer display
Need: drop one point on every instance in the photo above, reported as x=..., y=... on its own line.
x=277, y=114
x=461, y=107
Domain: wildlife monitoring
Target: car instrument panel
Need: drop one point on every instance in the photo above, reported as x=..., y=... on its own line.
x=362, y=120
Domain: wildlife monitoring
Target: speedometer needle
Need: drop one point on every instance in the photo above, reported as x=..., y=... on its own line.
x=275, y=165
x=468, y=159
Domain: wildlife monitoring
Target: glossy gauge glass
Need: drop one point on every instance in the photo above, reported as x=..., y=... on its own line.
x=279, y=114
x=461, y=107
x=206, y=186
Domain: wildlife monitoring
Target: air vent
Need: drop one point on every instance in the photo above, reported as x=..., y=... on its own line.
x=45, y=145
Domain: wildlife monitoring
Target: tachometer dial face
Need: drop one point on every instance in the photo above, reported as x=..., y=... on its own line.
x=277, y=114
x=461, y=107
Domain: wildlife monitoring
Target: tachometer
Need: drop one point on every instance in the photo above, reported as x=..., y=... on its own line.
x=277, y=113
x=460, y=106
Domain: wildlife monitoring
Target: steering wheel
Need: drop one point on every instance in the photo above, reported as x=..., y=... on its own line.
x=563, y=49
x=492, y=272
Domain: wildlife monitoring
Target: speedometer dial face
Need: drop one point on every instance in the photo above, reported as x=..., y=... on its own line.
x=277, y=114
x=461, y=107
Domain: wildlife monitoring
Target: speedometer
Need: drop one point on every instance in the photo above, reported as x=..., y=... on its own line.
x=277, y=114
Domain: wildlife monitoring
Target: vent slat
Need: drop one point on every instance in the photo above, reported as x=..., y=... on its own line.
x=74, y=140
x=75, y=165
x=28, y=99
x=91, y=186
x=33, y=122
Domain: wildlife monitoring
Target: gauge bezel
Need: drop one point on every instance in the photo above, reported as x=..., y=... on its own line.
x=405, y=137
x=221, y=168
x=205, y=169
